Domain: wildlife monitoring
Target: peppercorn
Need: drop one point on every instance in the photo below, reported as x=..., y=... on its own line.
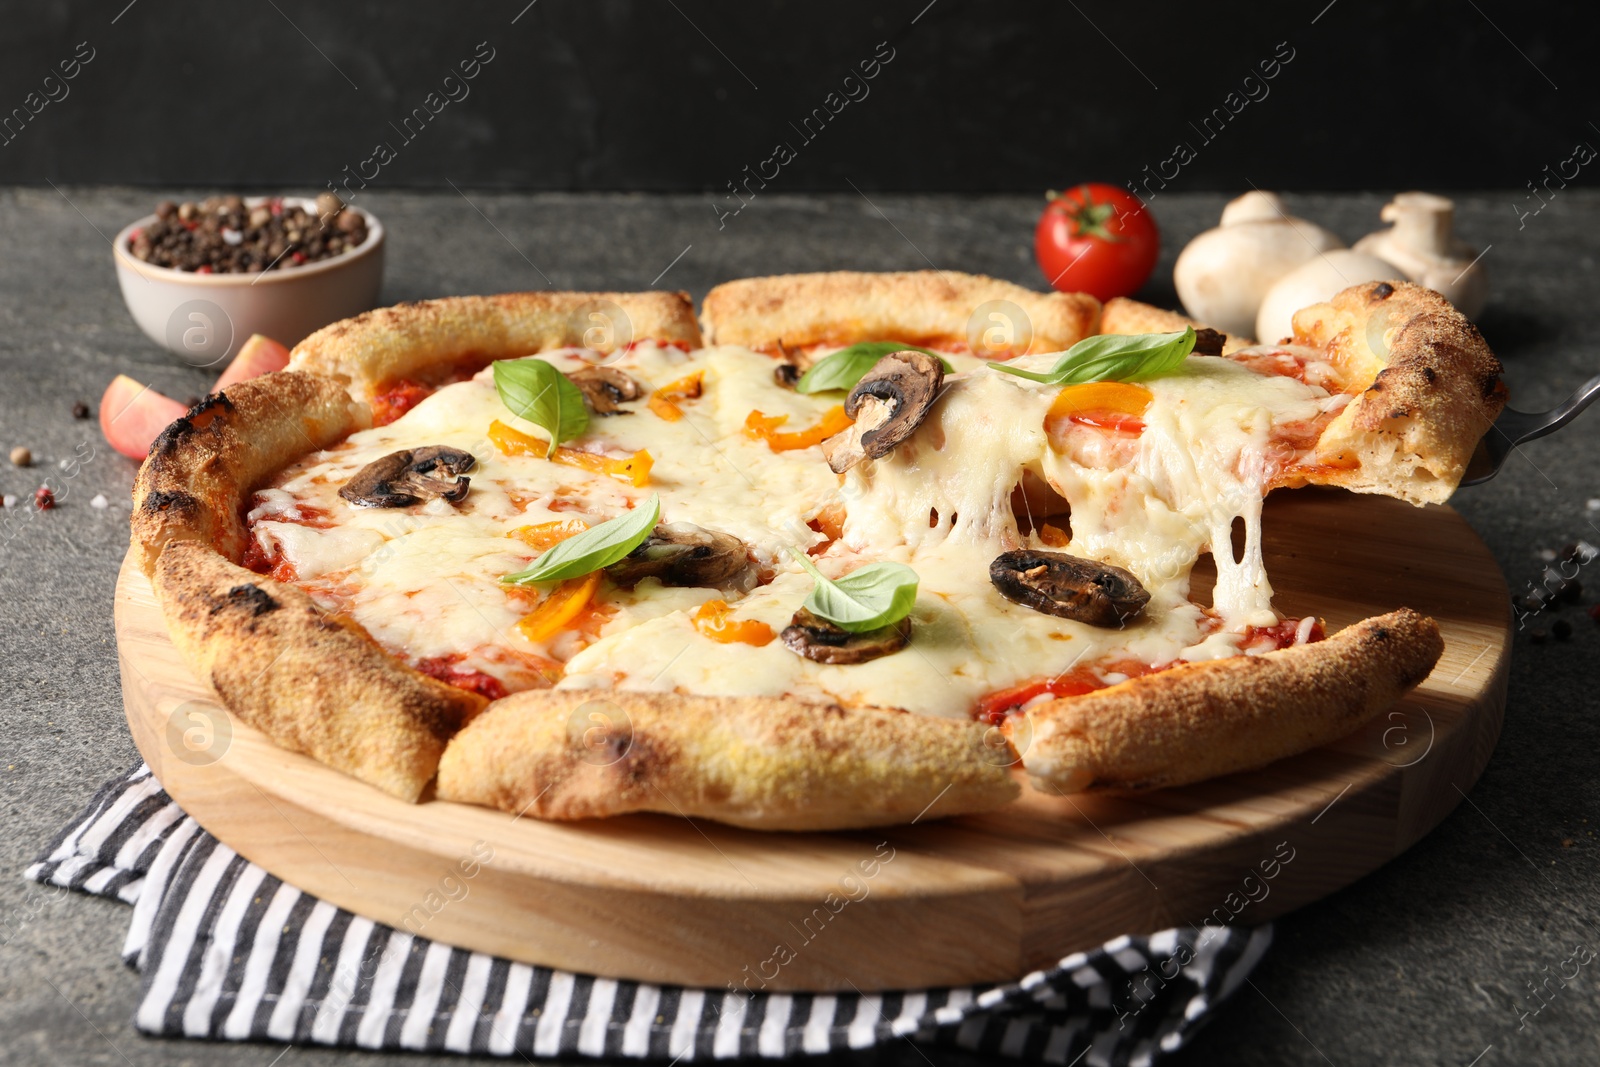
x=1562, y=629
x=21, y=457
x=80, y=410
x=43, y=498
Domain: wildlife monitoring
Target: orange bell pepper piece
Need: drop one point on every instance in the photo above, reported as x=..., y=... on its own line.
x=765, y=428
x=686, y=388
x=1107, y=405
x=543, y=535
x=711, y=619
x=559, y=607
x=511, y=442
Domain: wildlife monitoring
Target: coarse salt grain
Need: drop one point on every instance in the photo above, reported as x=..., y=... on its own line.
x=1593, y=503
x=233, y=237
x=99, y=501
x=9, y=501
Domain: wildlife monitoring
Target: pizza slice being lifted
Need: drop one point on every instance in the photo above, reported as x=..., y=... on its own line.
x=821, y=565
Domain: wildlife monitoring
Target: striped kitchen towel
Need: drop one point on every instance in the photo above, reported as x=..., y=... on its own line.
x=225, y=950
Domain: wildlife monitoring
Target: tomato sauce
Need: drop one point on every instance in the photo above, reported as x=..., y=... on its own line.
x=448, y=669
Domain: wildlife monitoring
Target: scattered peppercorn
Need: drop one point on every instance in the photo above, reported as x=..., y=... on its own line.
x=223, y=236
x=1594, y=613
x=44, y=498
x=80, y=410
x=1567, y=842
x=1562, y=629
x=1537, y=636
x=21, y=457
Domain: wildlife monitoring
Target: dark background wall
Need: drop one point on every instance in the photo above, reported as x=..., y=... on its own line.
x=684, y=94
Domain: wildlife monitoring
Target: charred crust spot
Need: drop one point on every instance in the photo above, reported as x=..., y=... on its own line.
x=1430, y=374
x=1382, y=291
x=1398, y=413
x=252, y=599
x=1380, y=633
x=162, y=501
x=213, y=403
x=1490, y=386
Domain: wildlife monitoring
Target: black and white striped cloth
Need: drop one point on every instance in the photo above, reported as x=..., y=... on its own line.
x=227, y=951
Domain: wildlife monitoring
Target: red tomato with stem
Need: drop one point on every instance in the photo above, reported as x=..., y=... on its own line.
x=1097, y=239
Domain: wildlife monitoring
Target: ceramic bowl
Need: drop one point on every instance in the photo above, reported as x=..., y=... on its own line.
x=204, y=318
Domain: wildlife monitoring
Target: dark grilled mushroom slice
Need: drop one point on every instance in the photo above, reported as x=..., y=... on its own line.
x=411, y=476
x=820, y=640
x=683, y=554
x=888, y=404
x=1207, y=342
x=605, y=387
x=1067, y=586
x=792, y=366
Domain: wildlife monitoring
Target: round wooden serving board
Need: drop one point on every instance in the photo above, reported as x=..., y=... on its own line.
x=947, y=902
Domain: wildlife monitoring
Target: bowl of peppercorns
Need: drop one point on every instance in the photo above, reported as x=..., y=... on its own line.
x=201, y=276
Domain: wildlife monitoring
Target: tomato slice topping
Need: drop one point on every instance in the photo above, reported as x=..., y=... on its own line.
x=1112, y=406
x=398, y=399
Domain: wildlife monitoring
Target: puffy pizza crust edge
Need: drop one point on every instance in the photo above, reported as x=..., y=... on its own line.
x=915, y=307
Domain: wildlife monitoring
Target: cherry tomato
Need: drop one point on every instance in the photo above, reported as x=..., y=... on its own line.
x=1096, y=239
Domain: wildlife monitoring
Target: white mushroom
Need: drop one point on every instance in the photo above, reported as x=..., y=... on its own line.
x=1313, y=282
x=1223, y=274
x=1422, y=245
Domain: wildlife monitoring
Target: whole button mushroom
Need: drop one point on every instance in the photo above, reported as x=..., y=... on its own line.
x=1223, y=275
x=1423, y=245
x=1315, y=281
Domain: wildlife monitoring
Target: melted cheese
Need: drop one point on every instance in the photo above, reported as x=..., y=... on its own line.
x=425, y=581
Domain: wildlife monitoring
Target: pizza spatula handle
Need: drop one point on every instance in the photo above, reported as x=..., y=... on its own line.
x=1513, y=427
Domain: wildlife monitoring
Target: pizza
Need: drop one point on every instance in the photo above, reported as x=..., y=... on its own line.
x=831, y=556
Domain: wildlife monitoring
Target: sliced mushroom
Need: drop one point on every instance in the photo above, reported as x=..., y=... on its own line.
x=888, y=404
x=1208, y=342
x=683, y=554
x=821, y=641
x=605, y=387
x=1069, y=587
x=791, y=367
x=411, y=476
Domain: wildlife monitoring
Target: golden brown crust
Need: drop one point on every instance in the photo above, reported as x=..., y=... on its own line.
x=932, y=308
x=1122, y=315
x=767, y=763
x=1217, y=717
x=1429, y=389
x=311, y=683
x=193, y=484
x=427, y=338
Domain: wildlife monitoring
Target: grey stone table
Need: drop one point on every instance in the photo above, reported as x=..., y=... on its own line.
x=1429, y=960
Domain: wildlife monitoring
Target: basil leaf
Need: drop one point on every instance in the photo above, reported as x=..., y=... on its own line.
x=593, y=549
x=534, y=390
x=1114, y=357
x=844, y=368
x=867, y=598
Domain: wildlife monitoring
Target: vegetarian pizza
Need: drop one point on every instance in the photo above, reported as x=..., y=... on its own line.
x=819, y=560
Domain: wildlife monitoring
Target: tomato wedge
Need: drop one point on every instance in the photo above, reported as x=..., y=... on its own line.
x=712, y=619
x=132, y=415
x=513, y=442
x=1113, y=406
x=257, y=356
x=559, y=607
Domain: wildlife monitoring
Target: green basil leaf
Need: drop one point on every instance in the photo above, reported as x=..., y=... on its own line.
x=593, y=549
x=534, y=390
x=844, y=368
x=1114, y=357
x=867, y=598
